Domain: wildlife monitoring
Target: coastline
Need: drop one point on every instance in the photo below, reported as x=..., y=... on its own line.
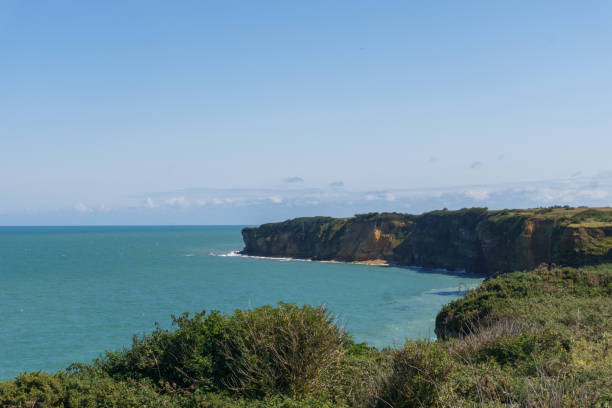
x=373, y=262
x=479, y=240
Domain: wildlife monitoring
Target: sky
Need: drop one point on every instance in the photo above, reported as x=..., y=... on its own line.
x=240, y=112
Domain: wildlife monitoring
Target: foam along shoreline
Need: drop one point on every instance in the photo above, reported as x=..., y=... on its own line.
x=373, y=262
x=275, y=258
x=376, y=262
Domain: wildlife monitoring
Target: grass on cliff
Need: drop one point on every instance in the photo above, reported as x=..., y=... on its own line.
x=589, y=217
x=525, y=339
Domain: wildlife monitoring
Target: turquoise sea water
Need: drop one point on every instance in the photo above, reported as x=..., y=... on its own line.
x=69, y=293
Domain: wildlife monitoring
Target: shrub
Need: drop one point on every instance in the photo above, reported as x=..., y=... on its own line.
x=218, y=400
x=33, y=389
x=265, y=351
x=281, y=350
x=494, y=297
x=187, y=358
x=417, y=373
x=559, y=392
x=77, y=390
x=359, y=377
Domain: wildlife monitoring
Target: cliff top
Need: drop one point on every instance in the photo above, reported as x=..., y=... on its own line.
x=588, y=217
x=575, y=216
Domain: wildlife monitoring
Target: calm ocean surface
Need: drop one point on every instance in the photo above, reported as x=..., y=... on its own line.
x=69, y=293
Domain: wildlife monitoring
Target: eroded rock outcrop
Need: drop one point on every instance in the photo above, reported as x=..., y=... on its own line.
x=476, y=240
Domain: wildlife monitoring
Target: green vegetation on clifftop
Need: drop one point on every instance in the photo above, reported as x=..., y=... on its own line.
x=535, y=338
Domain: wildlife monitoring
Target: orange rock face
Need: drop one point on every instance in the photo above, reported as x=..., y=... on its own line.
x=475, y=240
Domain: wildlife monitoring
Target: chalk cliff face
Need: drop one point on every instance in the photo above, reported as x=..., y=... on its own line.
x=476, y=240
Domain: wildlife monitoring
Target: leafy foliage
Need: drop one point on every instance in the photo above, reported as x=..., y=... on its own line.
x=418, y=372
x=188, y=358
x=281, y=350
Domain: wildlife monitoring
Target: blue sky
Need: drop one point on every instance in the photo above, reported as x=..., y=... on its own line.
x=244, y=112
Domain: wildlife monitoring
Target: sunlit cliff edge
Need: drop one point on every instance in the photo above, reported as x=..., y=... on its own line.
x=476, y=240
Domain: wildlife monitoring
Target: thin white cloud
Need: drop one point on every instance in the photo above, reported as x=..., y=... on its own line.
x=179, y=201
x=604, y=175
x=104, y=209
x=595, y=194
x=149, y=203
x=477, y=194
x=575, y=191
x=82, y=208
x=276, y=199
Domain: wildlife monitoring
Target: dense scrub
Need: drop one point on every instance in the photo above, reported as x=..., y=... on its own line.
x=525, y=339
x=562, y=290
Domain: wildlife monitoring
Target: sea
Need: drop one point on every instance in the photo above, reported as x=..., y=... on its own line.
x=67, y=294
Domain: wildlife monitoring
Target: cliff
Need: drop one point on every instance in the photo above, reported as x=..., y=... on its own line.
x=476, y=239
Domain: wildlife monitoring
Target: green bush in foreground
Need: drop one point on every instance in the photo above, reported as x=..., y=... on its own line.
x=418, y=372
x=190, y=357
x=281, y=350
x=495, y=297
x=63, y=390
x=525, y=339
x=258, y=352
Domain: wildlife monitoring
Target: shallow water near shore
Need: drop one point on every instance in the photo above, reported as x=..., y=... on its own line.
x=69, y=293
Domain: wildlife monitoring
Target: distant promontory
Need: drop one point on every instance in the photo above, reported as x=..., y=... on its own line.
x=476, y=240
